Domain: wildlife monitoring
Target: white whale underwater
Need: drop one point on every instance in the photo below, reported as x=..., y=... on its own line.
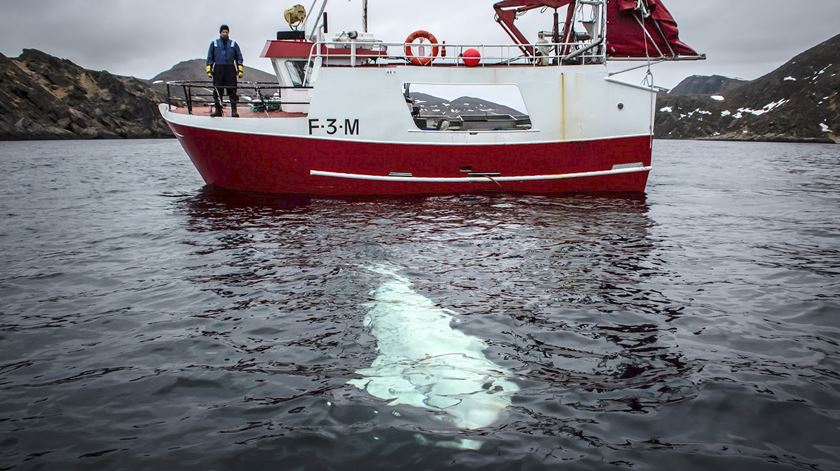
x=425, y=363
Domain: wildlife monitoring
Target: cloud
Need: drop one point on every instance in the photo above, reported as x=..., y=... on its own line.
x=137, y=38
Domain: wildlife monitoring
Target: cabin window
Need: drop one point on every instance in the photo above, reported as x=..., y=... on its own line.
x=297, y=71
x=471, y=107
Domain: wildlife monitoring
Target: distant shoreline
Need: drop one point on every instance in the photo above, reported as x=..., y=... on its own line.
x=46, y=98
x=62, y=138
x=778, y=140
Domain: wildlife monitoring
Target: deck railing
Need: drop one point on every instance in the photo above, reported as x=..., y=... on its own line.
x=452, y=55
x=192, y=93
x=379, y=54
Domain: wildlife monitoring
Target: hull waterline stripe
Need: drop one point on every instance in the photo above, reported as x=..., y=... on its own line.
x=485, y=179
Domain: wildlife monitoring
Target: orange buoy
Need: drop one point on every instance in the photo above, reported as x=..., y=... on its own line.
x=471, y=57
x=424, y=60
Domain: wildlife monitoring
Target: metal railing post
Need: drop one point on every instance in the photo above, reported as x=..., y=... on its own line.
x=188, y=97
x=262, y=100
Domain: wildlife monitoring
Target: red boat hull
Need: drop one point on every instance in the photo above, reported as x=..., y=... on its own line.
x=283, y=165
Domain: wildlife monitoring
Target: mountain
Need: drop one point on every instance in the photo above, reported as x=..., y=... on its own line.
x=798, y=102
x=706, y=85
x=43, y=97
x=434, y=106
x=194, y=70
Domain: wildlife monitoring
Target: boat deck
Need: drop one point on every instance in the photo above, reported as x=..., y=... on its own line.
x=244, y=112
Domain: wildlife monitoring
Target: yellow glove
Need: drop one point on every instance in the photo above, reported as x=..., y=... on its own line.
x=241, y=70
x=209, y=71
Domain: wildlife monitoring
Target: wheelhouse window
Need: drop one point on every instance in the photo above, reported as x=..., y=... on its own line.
x=473, y=107
x=297, y=72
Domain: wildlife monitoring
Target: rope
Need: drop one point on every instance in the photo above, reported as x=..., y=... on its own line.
x=494, y=181
x=648, y=80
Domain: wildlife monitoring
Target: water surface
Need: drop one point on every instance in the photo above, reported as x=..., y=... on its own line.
x=149, y=322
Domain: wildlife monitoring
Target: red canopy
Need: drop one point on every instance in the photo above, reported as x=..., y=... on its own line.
x=627, y=39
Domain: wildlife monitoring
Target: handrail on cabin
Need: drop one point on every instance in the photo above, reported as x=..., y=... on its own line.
x=322, y=49
x=451, y=55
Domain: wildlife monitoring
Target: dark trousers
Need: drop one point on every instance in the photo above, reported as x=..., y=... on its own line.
x=224, y=82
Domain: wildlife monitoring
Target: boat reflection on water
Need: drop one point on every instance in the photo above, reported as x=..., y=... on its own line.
x=564, y=292
x=217, y=204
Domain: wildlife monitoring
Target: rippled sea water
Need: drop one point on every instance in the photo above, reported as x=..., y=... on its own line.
x=149, y=322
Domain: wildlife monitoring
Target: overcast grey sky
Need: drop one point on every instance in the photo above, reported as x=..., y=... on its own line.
x=743, y=38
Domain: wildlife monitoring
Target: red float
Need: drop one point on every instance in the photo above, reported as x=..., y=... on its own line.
x=471, y=57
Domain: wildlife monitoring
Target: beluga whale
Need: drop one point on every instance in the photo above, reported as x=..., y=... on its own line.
x=425, y=363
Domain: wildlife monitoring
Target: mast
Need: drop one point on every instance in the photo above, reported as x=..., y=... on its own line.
x=365, y=16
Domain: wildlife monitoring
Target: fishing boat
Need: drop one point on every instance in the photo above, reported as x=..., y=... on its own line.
x=351, y=115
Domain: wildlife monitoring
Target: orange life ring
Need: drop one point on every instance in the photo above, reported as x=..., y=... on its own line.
x=421, y=60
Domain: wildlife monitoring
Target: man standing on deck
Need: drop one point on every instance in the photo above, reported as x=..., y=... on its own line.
x=224, y=64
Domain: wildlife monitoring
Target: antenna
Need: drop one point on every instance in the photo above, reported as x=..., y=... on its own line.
x=318, y=19
x=365, y=16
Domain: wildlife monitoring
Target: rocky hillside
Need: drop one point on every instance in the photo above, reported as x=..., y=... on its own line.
x=798, y=102
x=706, y=85
x=43, y=97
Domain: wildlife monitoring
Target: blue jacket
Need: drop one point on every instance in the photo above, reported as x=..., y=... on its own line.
x=224, y=51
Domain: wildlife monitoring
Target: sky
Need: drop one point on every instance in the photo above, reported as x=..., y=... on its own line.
x=742, y=38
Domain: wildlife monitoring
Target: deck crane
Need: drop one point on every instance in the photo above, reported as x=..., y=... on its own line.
x=507, y=11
